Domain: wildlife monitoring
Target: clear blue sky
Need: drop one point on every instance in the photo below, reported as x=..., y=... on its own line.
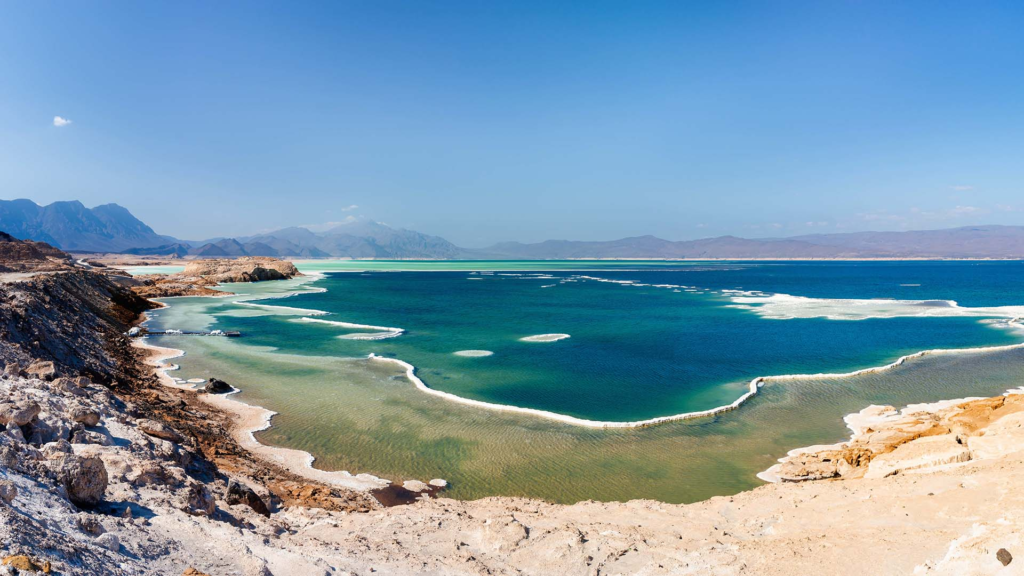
x=487, y=121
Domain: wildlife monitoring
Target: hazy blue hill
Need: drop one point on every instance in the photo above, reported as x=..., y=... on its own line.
x=112, y=228
x=653, y=247
x=72, y=226
x=964, y=242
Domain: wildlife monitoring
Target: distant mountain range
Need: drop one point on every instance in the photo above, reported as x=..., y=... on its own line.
x=965, y=242
x=111, y=228
x=72, y=226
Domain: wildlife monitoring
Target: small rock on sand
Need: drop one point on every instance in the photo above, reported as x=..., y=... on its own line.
x=1004, y=556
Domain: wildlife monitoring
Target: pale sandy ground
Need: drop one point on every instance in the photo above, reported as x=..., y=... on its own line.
x=927, y=516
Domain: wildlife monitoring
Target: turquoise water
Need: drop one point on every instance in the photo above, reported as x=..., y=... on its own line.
x=678, y=338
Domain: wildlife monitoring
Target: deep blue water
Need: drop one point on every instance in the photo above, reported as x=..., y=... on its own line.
x=634, y=352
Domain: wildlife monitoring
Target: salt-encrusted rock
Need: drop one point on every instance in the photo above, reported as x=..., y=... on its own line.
x=85, y=479
x=42, y=432
x=924, y=452
x=89, y=524
x=159, y=430
x=42, y=369
x=217, y=386
x=56, y=449
x=18, y=414
x=239, y=493
x=15, y=433
x=108, y=541
x=71, y=385
x=414, y=486
x=197, y=500
x=90, y=437
x=147, y=473
x=255, y=566
x=438, y=483
x=8, y=491
x=84, y=415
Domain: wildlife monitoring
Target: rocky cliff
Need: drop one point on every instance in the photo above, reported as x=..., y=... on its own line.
x=245, y=269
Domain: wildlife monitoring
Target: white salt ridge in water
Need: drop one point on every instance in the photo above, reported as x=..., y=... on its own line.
x=544, y=338
x=474, y=353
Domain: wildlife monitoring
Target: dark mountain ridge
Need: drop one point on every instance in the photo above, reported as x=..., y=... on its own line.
x=73, y=227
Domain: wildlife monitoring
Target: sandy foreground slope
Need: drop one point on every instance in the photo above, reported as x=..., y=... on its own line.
x=936, y=509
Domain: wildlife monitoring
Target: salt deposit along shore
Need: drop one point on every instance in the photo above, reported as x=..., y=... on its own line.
x=931, y=489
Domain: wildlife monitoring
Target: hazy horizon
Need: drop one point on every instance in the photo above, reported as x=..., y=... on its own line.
x=529, y=121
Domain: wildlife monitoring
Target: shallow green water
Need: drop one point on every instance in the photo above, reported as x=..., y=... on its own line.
x=634, y=352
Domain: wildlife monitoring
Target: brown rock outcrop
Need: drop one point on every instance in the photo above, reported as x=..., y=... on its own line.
x=246, y=269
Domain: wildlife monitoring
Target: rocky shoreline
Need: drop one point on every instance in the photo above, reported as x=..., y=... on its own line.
x=104, y=470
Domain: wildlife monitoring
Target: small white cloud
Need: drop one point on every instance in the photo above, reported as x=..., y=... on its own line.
x=59, y=121
x=962, y=188
x=965, y=210
x=349, y=208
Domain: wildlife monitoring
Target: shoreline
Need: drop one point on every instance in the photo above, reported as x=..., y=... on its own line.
x=249, y=419
x=753, y=386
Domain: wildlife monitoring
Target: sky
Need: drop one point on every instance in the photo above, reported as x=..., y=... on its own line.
x=492, y=121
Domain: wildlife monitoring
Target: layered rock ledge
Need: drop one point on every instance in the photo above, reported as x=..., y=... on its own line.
x=200, y=276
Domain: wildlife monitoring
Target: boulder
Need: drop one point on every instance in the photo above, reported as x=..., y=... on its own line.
x=19, y=414
x=85, y=415
x=56, y=449
x=89, y=524
x=8, y=491
x=159, y=430
x=42, y=369
x=85, y=479
x=190, y=571
x=23, y=563
x=71, y=386
x=15, y=433
x=198, y=501
x=239, y=493
x=90, y=437
x=42, y=432
x=109, y=541
x=12, y=370
x=217, y=386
